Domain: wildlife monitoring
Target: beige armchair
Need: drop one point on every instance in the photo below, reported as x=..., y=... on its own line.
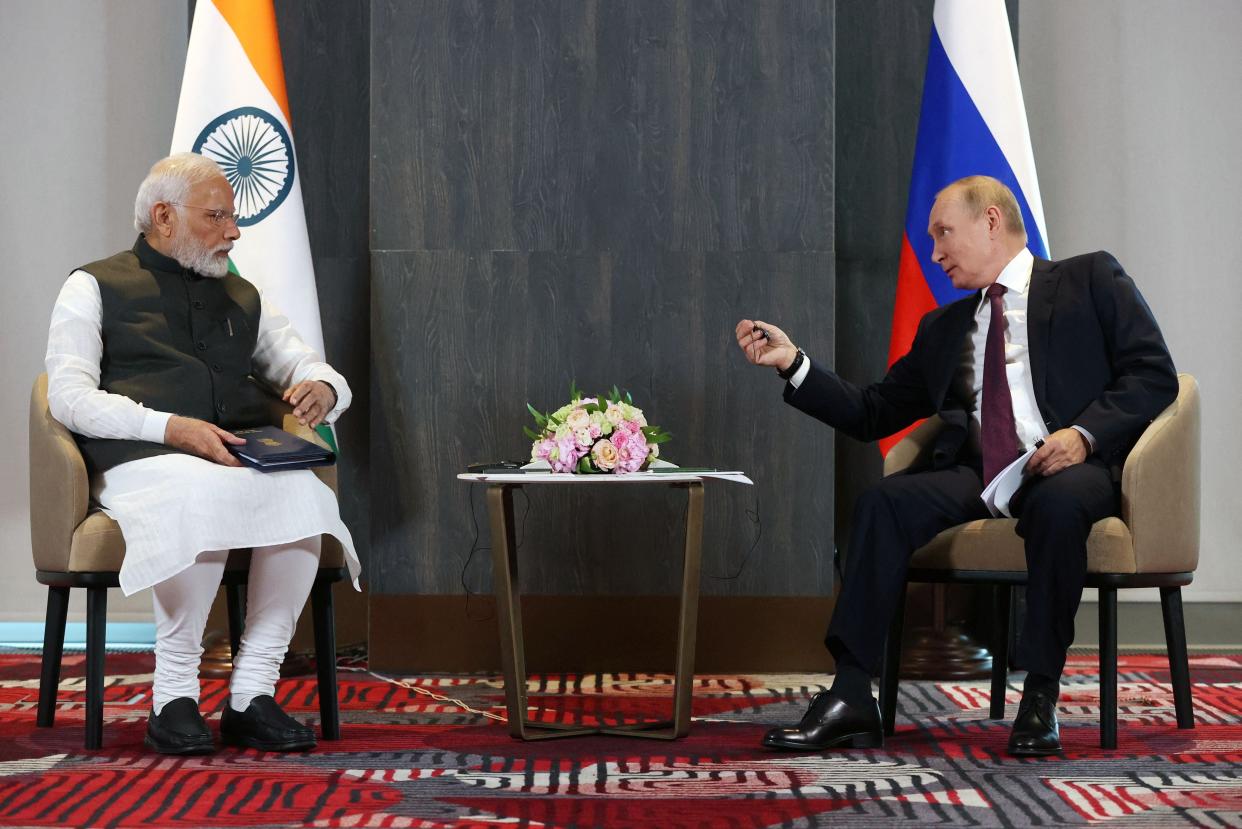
x=1154, y=543
x=76, y=545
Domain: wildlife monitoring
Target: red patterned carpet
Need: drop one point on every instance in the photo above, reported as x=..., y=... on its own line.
x=408, y=760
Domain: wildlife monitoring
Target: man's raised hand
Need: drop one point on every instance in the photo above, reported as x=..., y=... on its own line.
x=198, y=437
x=765, y=345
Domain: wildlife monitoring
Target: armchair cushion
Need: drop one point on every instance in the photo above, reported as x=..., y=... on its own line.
x=993, y=544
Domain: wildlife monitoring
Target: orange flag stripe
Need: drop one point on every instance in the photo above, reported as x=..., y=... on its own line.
x=254, y=23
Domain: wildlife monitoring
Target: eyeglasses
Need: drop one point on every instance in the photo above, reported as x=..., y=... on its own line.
x=218, y=217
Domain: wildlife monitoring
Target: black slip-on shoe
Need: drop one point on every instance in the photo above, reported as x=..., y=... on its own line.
x=179, y=729
x=264, y=725
x=830, y=722
x=1035, y=730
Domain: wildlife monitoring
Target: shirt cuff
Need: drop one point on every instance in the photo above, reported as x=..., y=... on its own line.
x=801, y=373
x=1090, y=437
x=154, y=425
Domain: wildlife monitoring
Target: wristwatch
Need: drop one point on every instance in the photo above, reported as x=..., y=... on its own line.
x=793, y=367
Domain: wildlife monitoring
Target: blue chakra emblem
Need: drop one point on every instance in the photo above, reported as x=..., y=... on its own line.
x=256, y=155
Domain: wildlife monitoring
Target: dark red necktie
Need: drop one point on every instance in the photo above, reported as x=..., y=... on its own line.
x=999, y=434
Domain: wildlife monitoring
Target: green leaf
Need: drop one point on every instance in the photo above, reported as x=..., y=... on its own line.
x=574, y=391
x=629, y=399
x=584, y=464
x=663, y=438
x=539, y=419
x=531, y=433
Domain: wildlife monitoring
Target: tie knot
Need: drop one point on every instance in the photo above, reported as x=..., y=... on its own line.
x=995, y=289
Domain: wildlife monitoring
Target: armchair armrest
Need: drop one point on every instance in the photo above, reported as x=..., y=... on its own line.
x=1160, y=487
x=914, y=447
x=59, y=487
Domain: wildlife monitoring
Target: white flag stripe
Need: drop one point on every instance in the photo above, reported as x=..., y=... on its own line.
x=979, y=44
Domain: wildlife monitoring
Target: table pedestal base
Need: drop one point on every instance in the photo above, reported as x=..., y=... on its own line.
x=509, y=616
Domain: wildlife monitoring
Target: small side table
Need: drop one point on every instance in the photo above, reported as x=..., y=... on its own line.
x=509, y=609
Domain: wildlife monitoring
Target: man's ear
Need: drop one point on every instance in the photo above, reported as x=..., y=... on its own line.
x=162, y=219
x=996, y=222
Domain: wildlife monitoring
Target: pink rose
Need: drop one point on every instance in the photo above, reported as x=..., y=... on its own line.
x=631, y=455
x=604, y=454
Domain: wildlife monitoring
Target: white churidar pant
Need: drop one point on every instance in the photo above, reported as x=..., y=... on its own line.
x=280, y=579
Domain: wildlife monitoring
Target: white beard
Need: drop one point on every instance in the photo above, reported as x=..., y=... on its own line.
x=203, y=261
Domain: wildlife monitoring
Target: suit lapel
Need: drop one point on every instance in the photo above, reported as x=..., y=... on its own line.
x=1044, y=279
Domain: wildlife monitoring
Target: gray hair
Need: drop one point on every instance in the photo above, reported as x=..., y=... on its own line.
x=170, y=181
x=978, y=193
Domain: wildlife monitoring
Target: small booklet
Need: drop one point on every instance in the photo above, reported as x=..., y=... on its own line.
x=1000, y=491
x=272, y=449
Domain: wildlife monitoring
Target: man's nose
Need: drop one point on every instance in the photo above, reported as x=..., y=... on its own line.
x=232, y=232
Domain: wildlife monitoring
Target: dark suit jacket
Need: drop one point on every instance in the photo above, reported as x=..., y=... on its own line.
x=1098, y=361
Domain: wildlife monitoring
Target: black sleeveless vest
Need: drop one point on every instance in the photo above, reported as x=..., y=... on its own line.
x=177, y=342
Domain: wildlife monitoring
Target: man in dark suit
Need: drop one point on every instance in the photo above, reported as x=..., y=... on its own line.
x=1075, y=360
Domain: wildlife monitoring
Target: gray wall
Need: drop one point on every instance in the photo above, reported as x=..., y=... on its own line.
x=1135, y=117
x=598, y=191
x=85, y=114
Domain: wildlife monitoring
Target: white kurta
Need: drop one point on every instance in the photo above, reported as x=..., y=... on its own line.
x=175, y=506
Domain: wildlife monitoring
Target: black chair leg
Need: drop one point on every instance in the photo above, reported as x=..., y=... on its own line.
x=325, y=659
x=1179, y=662
x=53, y=649
x=1108, y=667
x=96, y=642
x=1000, y=649
x=891, y=672
x=235, y=600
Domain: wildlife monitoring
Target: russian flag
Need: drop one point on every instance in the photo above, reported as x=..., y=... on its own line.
x=973, y=121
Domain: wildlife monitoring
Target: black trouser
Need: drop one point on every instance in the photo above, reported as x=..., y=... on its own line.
x=903, y=512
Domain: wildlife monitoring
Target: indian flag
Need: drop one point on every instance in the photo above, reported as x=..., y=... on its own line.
x=234, y=110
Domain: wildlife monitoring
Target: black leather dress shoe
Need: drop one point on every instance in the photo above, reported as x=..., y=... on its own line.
x=179, y=729
x=1035, y=731
x=264, y=725
x=830, y=723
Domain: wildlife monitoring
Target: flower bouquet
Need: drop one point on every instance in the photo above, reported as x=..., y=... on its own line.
x=605, y=434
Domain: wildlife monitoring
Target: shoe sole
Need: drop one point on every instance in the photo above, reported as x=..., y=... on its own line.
x=1033, y=752
x=179, y=751
x=860, y=740
x=251, y=742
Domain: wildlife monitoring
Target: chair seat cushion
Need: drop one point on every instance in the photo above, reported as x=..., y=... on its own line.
x=99, y=547
x=993, y=544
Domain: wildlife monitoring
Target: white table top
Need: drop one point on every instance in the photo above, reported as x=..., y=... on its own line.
x=578, y=480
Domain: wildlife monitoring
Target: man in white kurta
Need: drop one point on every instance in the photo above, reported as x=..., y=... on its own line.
x=152, y=355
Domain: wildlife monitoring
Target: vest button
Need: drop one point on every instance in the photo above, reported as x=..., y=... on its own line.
x=216, y=368
x=222, y=407
x=199, y=304
x=200, y=345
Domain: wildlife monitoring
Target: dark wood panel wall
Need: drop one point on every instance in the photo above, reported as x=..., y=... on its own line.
x=597, y=191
